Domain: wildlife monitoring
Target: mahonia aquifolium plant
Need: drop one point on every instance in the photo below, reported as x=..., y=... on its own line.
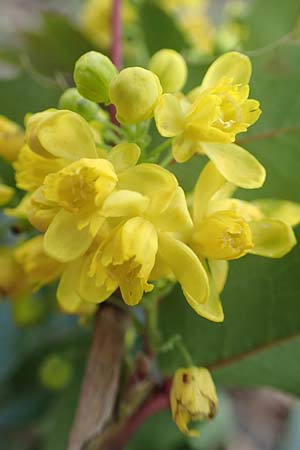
x=112, y=217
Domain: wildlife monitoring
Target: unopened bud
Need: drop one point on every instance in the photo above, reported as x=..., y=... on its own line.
x=134, y=92
x=93, y=74
x=72, y=100
x=193, y=397
x=170, y=67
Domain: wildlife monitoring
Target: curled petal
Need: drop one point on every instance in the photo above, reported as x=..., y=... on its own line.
x=67, y=295
x=271, y=238
x=124, y=203
x=169, y=116
x=64, y=241
x=151, y=180
x=65, y=134
x=187, y=269
x=219, y=272
x=124, y=155
x=284, y=210
x=209, y=183
x=236, y=164
x=176, y=217
x=233, y=65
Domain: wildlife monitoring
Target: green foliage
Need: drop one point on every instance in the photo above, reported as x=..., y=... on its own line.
x=160, y=30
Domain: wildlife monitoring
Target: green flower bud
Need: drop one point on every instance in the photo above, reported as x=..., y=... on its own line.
x=72, y=100
x=170, y=67
x=134, y=92
x=55, y=372
x=93, y=73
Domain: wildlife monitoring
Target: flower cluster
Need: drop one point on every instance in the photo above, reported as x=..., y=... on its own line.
x=113, y=220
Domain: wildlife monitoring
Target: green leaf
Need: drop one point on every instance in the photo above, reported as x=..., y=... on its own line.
x=160, y=30
x=56, y=46
x=270, y=20
x=261, y=304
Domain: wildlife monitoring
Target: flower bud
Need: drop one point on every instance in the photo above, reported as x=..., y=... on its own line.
x=170, y=67
x=55, y=372
x=134, y=92
x=223, y=235
x=11, y=139
x=93, y=74
x=193, y=397
x=72, y=100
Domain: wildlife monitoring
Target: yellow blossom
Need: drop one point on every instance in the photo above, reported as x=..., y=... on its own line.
x=226, y=228
x=38, y=267
x=220, y=109
x=11, y=139
x=12, y=279
x=143, y=215
x=193, y=397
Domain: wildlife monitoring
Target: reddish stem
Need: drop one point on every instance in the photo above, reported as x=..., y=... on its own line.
x=116, y=47
x=159, y=401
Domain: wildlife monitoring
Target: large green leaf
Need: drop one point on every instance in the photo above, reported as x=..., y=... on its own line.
x=271, y=20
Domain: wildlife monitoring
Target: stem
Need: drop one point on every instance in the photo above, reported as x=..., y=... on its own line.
x=158, y=150
x=116, y=48
x=158, y=402
x=101, y=378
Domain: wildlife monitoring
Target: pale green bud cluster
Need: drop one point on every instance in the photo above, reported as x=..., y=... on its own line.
x=134, y=91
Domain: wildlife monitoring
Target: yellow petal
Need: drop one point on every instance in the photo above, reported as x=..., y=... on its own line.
x=176, y=217
x=272, y=238
x=236, y=164
x=219, y=272
x=183, y=148
x=88, y=289
x=124, y=155
x=284, y=210
x=63, y=240
x=248, y=211
x=212, y=309
x=67, y=295
x=124, y=203
x=169, y=116
x=6, y=194
x=231, y=65
x=21, y=210
x=65, y=134
x=209, y=182
x=186, y=267
x=151, y=180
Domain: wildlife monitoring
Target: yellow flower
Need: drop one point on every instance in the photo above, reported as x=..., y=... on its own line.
x=223, y=235
x=31, y=168
x=143, y=215
x=38, y=267
x=78, y=190
x=226, y=228
x=11, y=139
x=6, y=194
x=193, y=397
x=219, y=110
x=134, y=92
